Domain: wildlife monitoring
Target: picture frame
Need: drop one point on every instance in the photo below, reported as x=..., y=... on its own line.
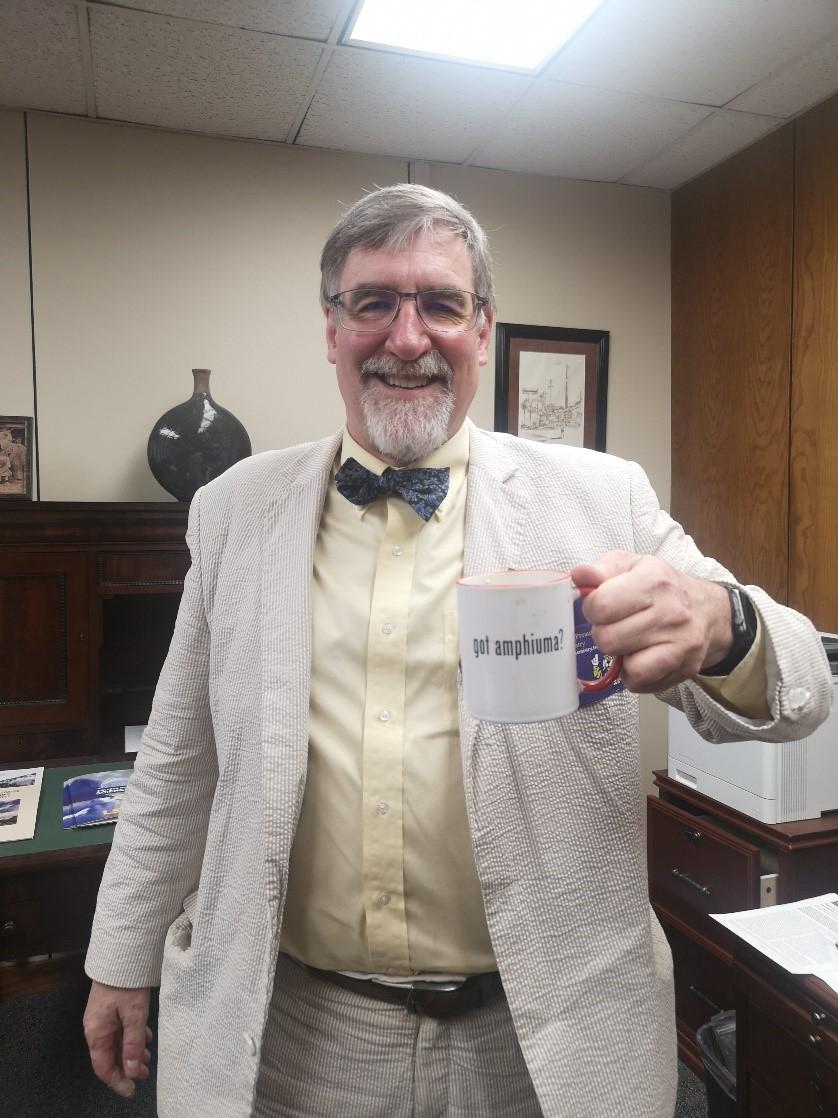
x=16, y=437
x=551, y=384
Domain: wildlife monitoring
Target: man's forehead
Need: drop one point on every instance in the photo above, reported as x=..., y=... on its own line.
x=439, y=249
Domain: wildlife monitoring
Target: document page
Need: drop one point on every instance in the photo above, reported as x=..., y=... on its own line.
x=802, y=937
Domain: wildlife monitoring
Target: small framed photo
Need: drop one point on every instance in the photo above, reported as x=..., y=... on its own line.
x=551, y=384
x=16, y=432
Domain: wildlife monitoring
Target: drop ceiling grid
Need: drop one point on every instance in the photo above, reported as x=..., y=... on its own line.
x=804, y=83
x=176, y=74
x=303, y=19
x=706, y=53
x=40, y=57
x=576, y=132
x=402, y=105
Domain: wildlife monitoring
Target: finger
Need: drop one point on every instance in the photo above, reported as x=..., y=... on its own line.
x=133, y=1037
x=121, y=1085
x=608, y=565
x=654, y=669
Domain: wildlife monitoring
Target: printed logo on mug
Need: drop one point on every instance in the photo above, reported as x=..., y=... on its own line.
x=518, y=646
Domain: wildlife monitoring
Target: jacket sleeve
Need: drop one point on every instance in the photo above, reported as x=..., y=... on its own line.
x=799, y=682
x=155, y=861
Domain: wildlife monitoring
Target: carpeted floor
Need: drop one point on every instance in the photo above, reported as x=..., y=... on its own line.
x=46, y=1073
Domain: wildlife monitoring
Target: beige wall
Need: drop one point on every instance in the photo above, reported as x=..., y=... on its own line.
x=16, y=388
x=154, y=252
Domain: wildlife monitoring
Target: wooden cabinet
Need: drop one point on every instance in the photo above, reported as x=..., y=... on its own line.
x=88, y=598
x=786, y=1041
x=705, y=857
x=754, y=379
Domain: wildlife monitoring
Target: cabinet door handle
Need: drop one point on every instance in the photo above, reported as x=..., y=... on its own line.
x=815, y=1038
x=8, y=928
x=818, y=1017
x=695, y=990
x=691, y=836
x=689, y=881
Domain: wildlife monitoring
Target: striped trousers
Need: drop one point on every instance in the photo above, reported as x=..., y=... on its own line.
x=331, y=1052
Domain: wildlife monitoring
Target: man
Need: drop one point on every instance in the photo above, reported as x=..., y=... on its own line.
x=362, y=901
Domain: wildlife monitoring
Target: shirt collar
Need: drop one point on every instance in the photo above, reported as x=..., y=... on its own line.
x=453, y=454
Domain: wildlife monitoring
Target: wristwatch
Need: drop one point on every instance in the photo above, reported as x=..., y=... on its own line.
x=743, y=621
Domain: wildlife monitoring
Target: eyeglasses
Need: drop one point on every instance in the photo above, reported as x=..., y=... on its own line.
x=368, y=310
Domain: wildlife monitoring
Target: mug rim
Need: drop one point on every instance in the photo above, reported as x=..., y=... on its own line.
x=557, y=576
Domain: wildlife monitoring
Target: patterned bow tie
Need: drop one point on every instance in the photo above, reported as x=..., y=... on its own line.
x=423, y=488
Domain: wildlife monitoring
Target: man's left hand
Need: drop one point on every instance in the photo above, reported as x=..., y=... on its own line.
x=667, y=626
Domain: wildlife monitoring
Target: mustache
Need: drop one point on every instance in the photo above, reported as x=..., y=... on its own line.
x=432, y=366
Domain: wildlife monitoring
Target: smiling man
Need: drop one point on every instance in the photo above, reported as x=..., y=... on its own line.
x=357, y=900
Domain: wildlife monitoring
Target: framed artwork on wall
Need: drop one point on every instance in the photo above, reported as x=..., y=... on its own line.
x=551, y=384
x=16, y=434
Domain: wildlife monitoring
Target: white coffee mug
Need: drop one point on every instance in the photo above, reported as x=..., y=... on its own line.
x=518, y=646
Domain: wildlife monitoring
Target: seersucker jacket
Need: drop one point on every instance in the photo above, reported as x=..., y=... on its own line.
x=192, y=895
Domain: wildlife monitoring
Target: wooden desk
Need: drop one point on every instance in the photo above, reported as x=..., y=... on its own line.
x=50, y=882
x=705, y=857
x=786, y=1041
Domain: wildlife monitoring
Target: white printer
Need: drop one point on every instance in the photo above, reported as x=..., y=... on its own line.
x=775, y=782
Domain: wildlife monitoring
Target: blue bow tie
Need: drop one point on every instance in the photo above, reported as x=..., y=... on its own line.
x=423, y=488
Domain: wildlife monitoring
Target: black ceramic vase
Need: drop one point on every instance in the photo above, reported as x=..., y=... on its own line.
x=195, y=442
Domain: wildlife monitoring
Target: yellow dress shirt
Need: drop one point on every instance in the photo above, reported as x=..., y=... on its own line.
x=382, y=878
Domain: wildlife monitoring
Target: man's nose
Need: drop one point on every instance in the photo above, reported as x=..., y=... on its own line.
x=408, y=338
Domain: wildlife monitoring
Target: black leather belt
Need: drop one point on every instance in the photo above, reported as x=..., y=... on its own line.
x=430, y=999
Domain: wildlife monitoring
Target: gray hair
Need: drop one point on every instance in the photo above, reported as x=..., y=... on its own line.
x=392, y=216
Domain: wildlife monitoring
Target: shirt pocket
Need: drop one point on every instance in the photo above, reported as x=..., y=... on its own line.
x=451, y=675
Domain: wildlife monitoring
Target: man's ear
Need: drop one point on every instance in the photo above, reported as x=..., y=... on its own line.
x=484, y=334
x=331, y=335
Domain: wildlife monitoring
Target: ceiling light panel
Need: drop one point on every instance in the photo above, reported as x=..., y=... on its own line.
x=519, y=36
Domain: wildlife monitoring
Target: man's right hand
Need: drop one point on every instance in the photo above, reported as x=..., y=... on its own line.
x=117, y=1035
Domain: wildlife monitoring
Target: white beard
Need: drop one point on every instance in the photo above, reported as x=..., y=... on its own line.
x=405, y=431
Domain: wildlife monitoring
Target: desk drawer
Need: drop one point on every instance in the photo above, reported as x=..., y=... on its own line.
x=139, y=569
x=48, y=910
x=703, y=983
x=696, y=868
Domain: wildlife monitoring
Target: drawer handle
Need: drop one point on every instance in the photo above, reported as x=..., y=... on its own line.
x=689, y=881
x=818, y=1017
x=691, y=836
x=695, y=990
x=815, y=1038
x=8, y=928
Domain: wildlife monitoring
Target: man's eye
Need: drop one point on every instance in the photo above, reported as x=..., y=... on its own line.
x=375, y=303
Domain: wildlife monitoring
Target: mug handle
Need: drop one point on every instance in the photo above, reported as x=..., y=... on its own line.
x=592, y=685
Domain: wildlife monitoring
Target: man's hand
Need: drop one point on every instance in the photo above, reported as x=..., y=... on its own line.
x=666, y=625
x=117, y=1035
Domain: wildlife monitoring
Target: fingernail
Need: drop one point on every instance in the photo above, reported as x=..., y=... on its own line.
x=132, y=1067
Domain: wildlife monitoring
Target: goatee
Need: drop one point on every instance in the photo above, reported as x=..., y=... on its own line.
x=405, y=431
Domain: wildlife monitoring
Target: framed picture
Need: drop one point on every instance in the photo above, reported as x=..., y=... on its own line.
x=16, y=457
x=551, y=384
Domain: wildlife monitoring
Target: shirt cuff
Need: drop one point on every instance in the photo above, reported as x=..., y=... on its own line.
x=745, y=690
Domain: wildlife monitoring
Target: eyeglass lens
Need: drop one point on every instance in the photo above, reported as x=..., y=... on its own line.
x=375, y=309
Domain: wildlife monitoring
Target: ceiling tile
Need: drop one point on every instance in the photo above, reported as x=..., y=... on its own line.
x=40, y=57
x=714, y=139
x=579, y=133
x=308, y=19
x=155, y=70
x=372, y=101
x=704, y=51
x=806, y=82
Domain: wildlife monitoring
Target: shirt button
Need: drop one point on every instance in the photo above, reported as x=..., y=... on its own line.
x=383, y=898
x=384, y=716
x=387, y=628
x=397, y=551
x=382, y=808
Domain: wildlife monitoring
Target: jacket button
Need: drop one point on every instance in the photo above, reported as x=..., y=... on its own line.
x=249, y=1043
x=798, y=699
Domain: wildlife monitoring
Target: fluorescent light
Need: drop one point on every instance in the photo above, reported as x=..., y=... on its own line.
x=521, y=34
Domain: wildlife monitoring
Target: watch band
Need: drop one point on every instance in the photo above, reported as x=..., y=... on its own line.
x=743, y=620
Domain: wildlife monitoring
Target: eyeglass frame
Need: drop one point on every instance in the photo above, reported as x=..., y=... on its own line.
x=480, y=303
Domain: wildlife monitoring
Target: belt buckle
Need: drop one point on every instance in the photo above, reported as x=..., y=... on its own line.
x=423, y=991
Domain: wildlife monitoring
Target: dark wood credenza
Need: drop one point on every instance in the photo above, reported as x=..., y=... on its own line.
x=88, y=598
x=705, y=857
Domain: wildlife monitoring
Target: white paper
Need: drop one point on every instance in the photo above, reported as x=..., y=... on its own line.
x=20, y=791
x=802, y=937
x=133, y=737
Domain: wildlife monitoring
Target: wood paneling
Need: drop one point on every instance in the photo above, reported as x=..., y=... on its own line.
x=731, y=330
x=813, y=559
